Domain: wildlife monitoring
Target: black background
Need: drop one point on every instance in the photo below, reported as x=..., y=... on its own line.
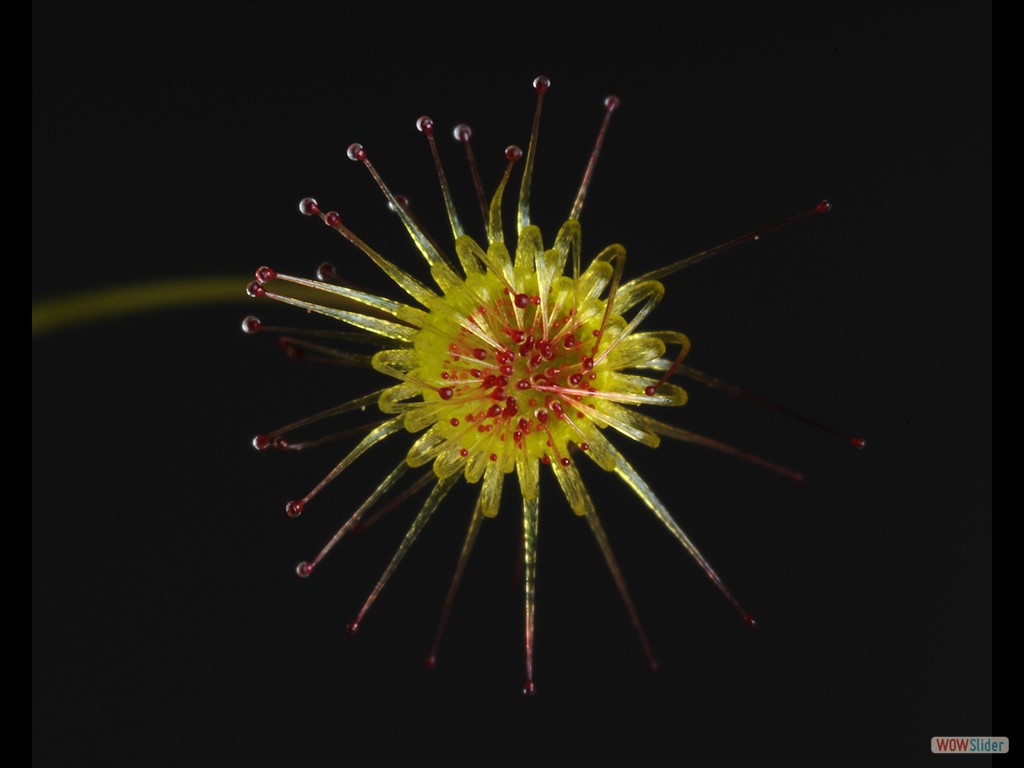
x=175, y=140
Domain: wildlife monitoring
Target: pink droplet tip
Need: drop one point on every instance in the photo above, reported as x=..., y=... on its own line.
x=529, y=687
x=308, y=206
x=255, y=289
x=251, y=324
x=611, y=103
x=356, y=152
x=751, y=621
x=431, y=661
x=265, y=275
x=462, y=132
x=304, y=569
x=294, y=508
x=859, y=443
x=823, y=207
x=425, y=125
x=352, y=627
x=261, y=442
x=326, y=271
x=332, y=219
x=541, y=83
x=401, y=202
x=513, y=153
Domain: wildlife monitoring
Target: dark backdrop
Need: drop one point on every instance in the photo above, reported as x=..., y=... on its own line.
x=175, y=140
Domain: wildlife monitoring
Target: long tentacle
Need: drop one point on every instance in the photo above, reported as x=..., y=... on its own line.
x=531, y=507
x=467, y=547
x=620, y=582
x=438, y=493
x=629, y=475
x=306, y=568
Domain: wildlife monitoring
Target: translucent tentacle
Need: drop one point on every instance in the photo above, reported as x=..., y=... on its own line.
x=407, y=493
x=692, y=437
x=610, y=104
x=396, y=309
x=460, y=569
x=308, y=351
x=620, y=582
x=426, y=125
x=629, y=475
x=495, y=232
x=438, y=493
x=463, y=133
x=440, y=269
x=732, y=389
x=657, y=274
x=373, y=324
x=285, y=445
x=404, y=280
x=568, y=242
x=352, y=405
x=386, y=429
x=575, y=491
x=624, y=420
x=490, y=491
x=468, y=251
x=306, y=568
x=617, y=254
x=540, y=84
x=531, y=507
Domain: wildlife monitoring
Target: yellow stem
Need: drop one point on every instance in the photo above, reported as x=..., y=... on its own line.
x=65, y=312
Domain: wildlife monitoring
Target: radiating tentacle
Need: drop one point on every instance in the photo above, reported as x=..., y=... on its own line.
x=629, y=475
x=405, y=313
x=717, y=445
x=426, y=511
x=440, y=268
x=732, y=389
x=463, y=133
x=426, y=127
x=376, y=325
x=611, y=103
x=389, y=427
x=620, y=583
x=541, y=85
x=657, y=274
x=582, y=504
x=405, y=281
x=460, y=569
x=407, y=493
x=306, y=568
x=266, y=440
x=531, y=506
